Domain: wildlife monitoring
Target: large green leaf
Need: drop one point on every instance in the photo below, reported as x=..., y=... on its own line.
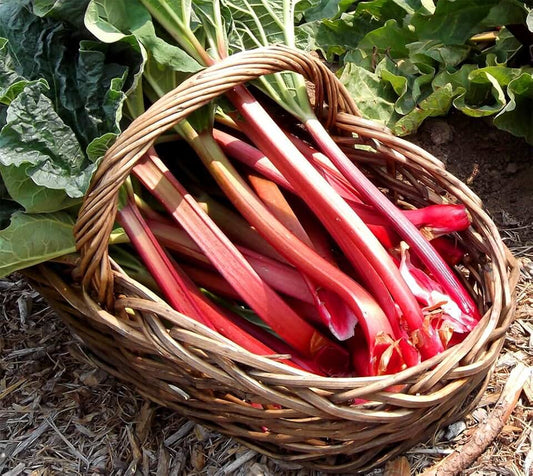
x=113, y=20
x=257, y=23
x=433, y=51
x=64, y=10
x=482, y=98
x=33, y=239
x=454, y=21
x=391, y=37
x=261, y=22
x=34, y=198
x=383, y=10
x=11, y=83
x=423, y=7
x=517, y=116
x=318, y=9
x=436, y=104
x=86, y=79
x=374, y=98
x=333, y=38
x=36, y=139
x=504, y=49
x=61, y=98
x=506, y=12
x=411, y=81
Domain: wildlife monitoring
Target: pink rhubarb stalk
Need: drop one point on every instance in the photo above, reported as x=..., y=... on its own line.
x=371, y=195
x=348, y=230
x=280, y=276
x=320, y=271
x=236, y=269
x=334, y=312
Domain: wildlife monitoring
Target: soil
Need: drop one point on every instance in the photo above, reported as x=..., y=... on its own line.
x=497, y=166
x=59, y=415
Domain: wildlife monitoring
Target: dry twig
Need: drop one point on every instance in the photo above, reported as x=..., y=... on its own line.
x=486, y=432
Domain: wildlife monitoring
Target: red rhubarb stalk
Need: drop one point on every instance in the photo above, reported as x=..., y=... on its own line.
x=440, y=219
x=158, y=263
x=341, y=221
x=236, y=269
x=185, y=297
x=281, y=277
x=371, y=195
x=334, y=312
x=320, y=271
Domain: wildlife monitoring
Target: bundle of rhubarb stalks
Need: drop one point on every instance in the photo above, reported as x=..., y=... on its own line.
x=273, y=236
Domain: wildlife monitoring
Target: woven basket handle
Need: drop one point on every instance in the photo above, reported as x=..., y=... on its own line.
x=98, y=211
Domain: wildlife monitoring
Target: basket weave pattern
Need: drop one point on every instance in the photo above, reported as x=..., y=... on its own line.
x=175, y=361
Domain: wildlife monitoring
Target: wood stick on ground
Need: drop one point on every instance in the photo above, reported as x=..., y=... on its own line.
x=398, y=467
x=486, y=432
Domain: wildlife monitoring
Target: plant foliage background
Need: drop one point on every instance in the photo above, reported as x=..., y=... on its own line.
x=405, y=60
x=63, y=92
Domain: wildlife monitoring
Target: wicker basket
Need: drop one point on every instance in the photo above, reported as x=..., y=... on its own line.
x=207, y=378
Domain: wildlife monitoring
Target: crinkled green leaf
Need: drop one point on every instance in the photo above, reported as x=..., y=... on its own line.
x=37, y=140
x=34, y=238
x=65, y=10
x=112, y=20
x=335, y=37
x=98, y=146
x=424, y=7
x=480, y=90
x=85, y=78
x=318, y=9
x=382, y=10
x=505, y=12
x=412, y=82
x=517, y=116
x=503, y=50
x=436, y=104
x=501, y=74
x=401, y=77
x=433, y=51
x=454, y=21
x=391, y=38
x=32, y=197
x=11, y=83
x=70, y=93
x=483, y=97
x=374, y=98
x=257, y=23
x=397, y=81
x=459, y=79
x=61, y=98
